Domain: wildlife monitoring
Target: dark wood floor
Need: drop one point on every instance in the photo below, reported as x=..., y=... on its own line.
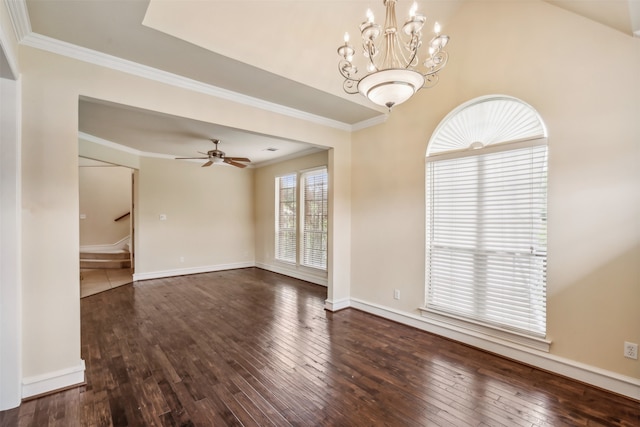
x=248, y=347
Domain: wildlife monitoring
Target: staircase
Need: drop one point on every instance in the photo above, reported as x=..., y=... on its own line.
x=103, y=260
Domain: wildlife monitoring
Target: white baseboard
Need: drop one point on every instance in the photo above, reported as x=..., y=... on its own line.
x=294, y=272
x=52, y=381
x=612, y=381
x=118, y=246
x=335, y=305
x=191, y=270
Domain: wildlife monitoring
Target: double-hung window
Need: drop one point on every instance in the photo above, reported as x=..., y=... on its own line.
x=286, y=207
x=301, y=228
x=486, y=221
x=314, y=219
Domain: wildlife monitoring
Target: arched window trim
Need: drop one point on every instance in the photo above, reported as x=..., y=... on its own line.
x=436, y=145
x=536, y=136
x=495, y=148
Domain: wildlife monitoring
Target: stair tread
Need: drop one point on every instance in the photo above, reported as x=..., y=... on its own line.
x=96, y=261
x=105, y=255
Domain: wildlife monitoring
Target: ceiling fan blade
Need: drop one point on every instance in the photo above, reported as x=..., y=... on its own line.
x=238, y=159
x=191, y=158
x=236, y=164
x=209, y=163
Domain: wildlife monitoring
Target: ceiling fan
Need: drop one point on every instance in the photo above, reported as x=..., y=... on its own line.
x=217, y=156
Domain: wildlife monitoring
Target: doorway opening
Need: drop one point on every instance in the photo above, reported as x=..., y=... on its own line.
x=106, y=226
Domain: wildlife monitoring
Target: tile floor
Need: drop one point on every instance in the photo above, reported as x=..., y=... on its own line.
x=93, y=281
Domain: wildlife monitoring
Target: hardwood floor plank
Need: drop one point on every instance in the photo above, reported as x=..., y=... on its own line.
x=184, y=410
x=250, y=347
x=162, y=364
x=251, y=397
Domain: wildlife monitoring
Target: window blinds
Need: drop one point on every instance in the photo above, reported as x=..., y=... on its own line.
x=286, y=218
x=486, y=237
x=314, y=227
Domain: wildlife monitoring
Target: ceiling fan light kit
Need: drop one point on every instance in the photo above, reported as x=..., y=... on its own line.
x=216, y=157
x=394, y=72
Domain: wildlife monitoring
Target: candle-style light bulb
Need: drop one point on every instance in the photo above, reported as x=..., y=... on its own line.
x=436, y=28
x=370, y=16
x=413, y=10
x=346, y=37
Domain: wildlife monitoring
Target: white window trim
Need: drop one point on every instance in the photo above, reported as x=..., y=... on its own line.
x=504, y=146
x=298, y=265
x=301, y=211
x=449, y=321
x=493, y=333
x=277, y=220
x=459, y=324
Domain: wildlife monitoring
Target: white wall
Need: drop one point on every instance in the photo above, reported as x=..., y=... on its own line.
x=554, y=61
x=10, y=221
x=10, y=245
x=105, y=194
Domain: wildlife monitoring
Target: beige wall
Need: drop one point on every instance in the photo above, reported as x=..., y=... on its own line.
x=584, y=80
x=265, y=209
x=104, y=195
x=52, y=86
x=209, y=215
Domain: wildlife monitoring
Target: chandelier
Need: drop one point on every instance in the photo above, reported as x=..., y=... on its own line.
x=394, y=72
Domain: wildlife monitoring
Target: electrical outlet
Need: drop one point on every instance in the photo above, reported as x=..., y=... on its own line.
x=396, y=294
x=181, y=259
x=631, y=350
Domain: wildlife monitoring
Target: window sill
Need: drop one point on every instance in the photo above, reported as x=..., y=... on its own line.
x=493, y=334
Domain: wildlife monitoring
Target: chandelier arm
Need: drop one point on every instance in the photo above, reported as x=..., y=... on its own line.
x=370, y=48
x=346, y=69
x=430, y=80
x=371, y=51
x=350, y=85
x=439, y=59
x=414, y=58
x=401, y=53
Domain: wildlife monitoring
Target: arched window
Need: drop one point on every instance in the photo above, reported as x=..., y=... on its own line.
x=486, y=204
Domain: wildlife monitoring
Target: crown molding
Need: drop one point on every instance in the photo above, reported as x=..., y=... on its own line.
x=7, y=50
x=370, y=122
x=91, y=56
x=120, y=147
x=634, y=12
x=114, y=145
x=19, y=18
